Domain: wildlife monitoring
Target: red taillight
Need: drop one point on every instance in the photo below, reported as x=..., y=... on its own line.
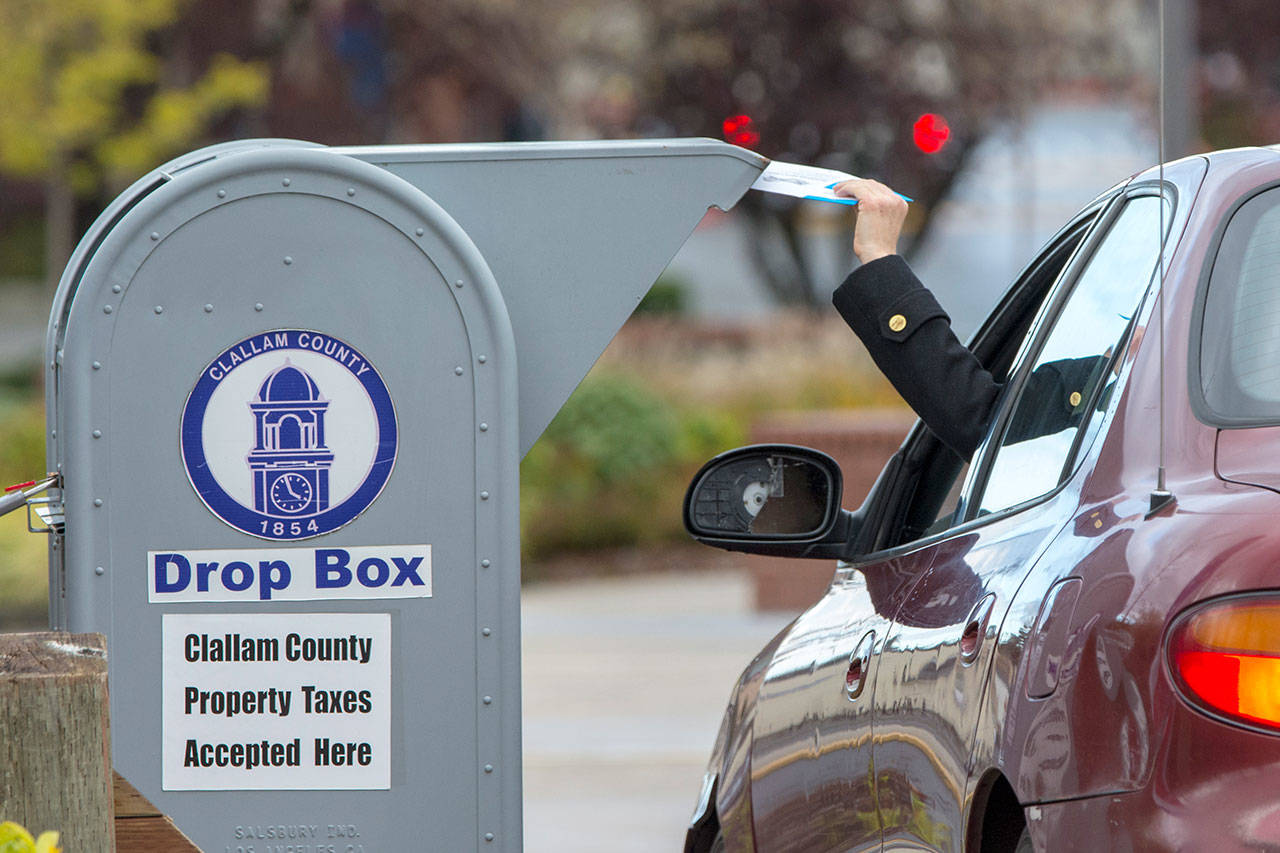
x=1225, y=659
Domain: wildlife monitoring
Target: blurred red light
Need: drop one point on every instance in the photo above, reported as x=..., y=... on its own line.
x=737, y=129
x=931, y=132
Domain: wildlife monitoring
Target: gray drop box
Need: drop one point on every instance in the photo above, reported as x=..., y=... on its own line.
x=289, y=390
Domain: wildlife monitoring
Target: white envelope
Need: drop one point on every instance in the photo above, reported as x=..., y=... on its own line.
x=800, y=181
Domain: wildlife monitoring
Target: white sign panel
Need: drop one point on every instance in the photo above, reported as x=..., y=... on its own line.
x=288, y=701
x=289, y=574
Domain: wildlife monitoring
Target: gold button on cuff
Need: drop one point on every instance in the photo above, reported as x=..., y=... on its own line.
x=897, y=323
x=1074, y=399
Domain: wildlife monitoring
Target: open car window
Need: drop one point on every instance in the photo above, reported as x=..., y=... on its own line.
x=1073, y=372
x=928, y=497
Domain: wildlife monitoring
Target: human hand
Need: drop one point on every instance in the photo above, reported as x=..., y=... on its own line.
x=880, y=214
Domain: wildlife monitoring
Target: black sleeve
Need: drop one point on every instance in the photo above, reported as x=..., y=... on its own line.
x=1052, y=386
x=910, y=339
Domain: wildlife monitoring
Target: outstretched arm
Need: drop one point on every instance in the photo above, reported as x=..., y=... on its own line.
x=906, y=331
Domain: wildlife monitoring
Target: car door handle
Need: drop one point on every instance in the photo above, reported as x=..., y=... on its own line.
x=855, y=678
x=975, y=628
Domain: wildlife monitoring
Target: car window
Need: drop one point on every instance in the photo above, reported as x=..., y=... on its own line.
x=946, y=515
x=1240, y=341
x=932, y=498
x=1074, y=370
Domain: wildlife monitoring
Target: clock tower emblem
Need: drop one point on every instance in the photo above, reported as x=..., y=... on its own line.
x=289, y=461
x=300, y=462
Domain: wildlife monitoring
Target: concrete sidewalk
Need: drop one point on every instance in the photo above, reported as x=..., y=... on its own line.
x=625, y=682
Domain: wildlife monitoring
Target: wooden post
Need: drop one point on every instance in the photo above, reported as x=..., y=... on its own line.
x=55, y=750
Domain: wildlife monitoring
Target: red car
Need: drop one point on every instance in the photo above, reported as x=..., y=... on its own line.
x=1041, y=648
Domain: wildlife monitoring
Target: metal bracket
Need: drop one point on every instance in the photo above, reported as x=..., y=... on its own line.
x=51, y=511
x=49, y=508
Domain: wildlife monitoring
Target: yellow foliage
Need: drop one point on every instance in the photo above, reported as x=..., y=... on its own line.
x=175, y=116
x=65, y=68
x=16, y=839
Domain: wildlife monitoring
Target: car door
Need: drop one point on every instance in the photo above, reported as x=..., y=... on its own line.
x=812, y=779
x=934, y=662
x=811, y=752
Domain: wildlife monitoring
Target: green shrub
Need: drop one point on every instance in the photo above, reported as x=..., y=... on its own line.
x=669, y=295
x=612, y=428
x=611, y=469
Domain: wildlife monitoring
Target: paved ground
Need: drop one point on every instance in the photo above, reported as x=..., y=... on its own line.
x=625, y=682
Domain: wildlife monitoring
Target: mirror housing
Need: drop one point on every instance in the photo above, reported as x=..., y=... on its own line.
x=775, y=499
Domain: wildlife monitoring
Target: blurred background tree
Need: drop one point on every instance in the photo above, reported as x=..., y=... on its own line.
x=837, y=84
x=1240, y=73
x=91, y=100
x=376, y=71
x=102, y=91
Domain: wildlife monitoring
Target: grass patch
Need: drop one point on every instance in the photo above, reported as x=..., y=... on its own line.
x=24, y=575
x=24, y=562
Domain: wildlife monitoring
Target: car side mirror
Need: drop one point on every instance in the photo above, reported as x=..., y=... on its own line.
x=770, y=499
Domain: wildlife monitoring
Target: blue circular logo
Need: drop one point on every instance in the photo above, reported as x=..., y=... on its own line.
x=289, y=434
